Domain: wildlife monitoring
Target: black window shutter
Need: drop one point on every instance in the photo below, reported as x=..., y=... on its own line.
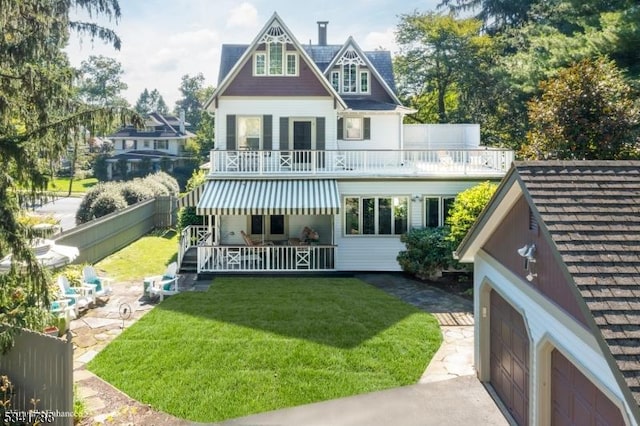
x=367, y=128
x=320, y=132
x=340, y=131
x=284, y=133
x=267, y=132
x=231, y=132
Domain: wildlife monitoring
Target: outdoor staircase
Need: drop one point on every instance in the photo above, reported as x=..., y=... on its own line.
x=189, y=263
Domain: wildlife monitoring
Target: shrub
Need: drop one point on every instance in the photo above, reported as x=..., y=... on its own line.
x=107, y=202
x=187, y=216
x=84, y=213
x=156, y=187
x=428, y=252
x=466, y=208
x=168, y=181
x=135, y=191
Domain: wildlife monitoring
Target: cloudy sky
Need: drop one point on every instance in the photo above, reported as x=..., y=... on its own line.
x=162, y=40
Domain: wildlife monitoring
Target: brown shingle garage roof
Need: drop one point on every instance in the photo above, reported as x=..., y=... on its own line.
x=592, y=212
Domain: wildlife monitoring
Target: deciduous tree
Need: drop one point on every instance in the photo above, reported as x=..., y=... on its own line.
x=588, y=111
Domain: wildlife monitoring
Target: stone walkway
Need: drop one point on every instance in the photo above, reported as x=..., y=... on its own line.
x=98, y=326
x=454, y=314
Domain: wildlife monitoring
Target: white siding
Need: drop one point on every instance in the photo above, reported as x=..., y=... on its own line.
x=378, y=253
x=278, y=107
x=385, y=134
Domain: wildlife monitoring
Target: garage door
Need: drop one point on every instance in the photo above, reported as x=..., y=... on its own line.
x=509, y=358
x=575, y=400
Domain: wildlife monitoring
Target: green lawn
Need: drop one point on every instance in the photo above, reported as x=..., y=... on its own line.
x=147, y=256
x=250, y=345
x=61, y=184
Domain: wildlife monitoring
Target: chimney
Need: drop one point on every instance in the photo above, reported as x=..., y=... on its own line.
x=322, y=33
x=182, y=129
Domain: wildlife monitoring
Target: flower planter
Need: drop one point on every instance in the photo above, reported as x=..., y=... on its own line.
x=52, y=331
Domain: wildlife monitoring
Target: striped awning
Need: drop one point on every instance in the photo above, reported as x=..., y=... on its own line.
x=191, y=198
x=289, y=197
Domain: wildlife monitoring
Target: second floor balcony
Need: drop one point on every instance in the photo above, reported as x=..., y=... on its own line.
x=481, y=162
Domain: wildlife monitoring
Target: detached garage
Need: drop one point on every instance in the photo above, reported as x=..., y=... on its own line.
x=556, y=258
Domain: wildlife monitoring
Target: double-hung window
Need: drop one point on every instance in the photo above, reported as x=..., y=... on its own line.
x=162, y=144
x=335, y=80
x=353, y=128
x=249, y=133
x=376, y=215
x=364, y=81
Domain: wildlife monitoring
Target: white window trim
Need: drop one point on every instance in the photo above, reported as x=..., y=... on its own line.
x=255, y=63
x=344, y=128
x=337, y=74
x=360, y=74
x=376, y=216
x=163, y=141
x=286, y=63
x=261, y=137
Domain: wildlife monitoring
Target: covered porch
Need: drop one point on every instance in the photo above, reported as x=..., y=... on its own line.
x=262, y=226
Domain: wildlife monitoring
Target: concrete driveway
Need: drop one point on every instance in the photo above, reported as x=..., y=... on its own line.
x=459, y=401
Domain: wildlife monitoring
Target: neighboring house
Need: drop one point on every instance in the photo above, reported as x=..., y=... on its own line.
x=311, y=138
x=159, y=146
x=556, y=258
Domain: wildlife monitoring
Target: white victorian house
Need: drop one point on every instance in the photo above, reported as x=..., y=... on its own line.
x=314, y=164
x=160, y=145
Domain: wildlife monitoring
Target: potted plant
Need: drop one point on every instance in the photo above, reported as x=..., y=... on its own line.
x=52, y=330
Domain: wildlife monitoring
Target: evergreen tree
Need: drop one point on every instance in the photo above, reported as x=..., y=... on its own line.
x=38, y=117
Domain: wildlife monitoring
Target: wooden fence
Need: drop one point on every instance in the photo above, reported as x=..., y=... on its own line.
x=40, y=367
x=101, y=237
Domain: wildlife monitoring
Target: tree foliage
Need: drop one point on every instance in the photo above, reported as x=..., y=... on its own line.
x=192, y=99
x=522, y=43
x=100, y=81
x=438, y=53
x=588, y=111
x=466, y=208
x=496, y=15
x=151, y=101
x=38, y=114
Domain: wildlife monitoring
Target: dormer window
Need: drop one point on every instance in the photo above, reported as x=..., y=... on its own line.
x=274, y=59
x=352, y=77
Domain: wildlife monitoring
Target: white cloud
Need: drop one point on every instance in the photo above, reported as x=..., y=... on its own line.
x=376, y=39
x=243, y=16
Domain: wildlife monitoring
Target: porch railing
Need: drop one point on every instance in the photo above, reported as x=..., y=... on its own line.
x=338, y=162
x=193, y=235
x=212, y=258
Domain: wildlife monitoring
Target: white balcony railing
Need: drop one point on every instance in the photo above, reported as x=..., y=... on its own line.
x=485, y=161
x=216, y=258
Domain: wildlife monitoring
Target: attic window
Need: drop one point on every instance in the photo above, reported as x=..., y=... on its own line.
x=354, y=80
x=274, y=59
